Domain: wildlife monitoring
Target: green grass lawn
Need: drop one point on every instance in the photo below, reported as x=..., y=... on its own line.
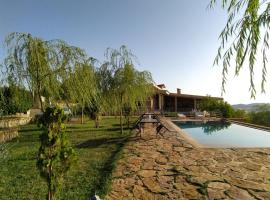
x=97, y=150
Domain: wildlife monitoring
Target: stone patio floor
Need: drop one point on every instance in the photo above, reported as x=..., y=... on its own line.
x=171, y=168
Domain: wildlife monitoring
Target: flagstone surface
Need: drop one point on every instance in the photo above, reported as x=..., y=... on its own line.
x=170, y=167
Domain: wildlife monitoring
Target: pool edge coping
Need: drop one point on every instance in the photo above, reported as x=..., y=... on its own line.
x=255, y=126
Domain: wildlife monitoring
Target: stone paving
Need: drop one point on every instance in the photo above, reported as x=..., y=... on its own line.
x=169, y=167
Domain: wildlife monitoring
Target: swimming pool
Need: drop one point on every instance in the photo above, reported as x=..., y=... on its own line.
x=225, y=134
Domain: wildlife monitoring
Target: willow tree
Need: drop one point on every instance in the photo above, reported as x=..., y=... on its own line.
x=81, y=86
x=129, y=87
x=245, y=35
x=101, y=101
x=40, y=65
x=132, y=89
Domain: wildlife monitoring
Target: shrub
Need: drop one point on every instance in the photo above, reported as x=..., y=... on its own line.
x=215, y=105
x=260, y=118
x=55, y=153
x=14, y=99
x=170, y=114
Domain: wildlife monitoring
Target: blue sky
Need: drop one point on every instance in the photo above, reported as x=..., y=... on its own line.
x=176, y=40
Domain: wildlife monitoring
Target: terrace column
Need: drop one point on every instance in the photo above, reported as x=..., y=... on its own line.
x=175, y=104
x=195, y=104
x=159, y=102
x=151, y=104
x=162, y=102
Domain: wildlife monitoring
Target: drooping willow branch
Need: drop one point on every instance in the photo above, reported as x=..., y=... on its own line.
x=248, y=21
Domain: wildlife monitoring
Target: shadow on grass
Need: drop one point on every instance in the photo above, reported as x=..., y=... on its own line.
x=93, y=143
x=79, y=127
x=115, y=125
x=86, y=129
x=104, y=182
x=26, y=130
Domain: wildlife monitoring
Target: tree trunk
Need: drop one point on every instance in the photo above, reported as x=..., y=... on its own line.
x=121, y=123
x=82, y=115
x=40, y=100
x=50, y=191
x=39, y=88
x=128, y=121
x=97, y=121
x=50, y=197
x=33, y=98
x=121, y=112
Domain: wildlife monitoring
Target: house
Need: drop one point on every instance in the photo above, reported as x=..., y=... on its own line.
x=165, y=101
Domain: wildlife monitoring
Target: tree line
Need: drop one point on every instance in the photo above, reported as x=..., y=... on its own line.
x=260, y=115
x=53, y=69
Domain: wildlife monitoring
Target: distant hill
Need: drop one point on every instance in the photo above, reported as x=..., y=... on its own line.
x=248, y=107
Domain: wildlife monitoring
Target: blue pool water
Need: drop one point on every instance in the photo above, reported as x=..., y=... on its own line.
x=225, y=134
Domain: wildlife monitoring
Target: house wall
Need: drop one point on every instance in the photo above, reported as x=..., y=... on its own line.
x=168, y=103
x=164, y=101
x=185, y=104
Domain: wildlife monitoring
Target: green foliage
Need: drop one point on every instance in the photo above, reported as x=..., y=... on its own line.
x=39, y=65
x=80, y=86
x=101, y=101
x=226, y=109
x=247, y=30
x=55, y=153
x=261, y=115
x=128, y=87
x=260, y=118
x=216, y=105
x=14, y=99
x=170, y=114
x=237, y=113
x=95, y=109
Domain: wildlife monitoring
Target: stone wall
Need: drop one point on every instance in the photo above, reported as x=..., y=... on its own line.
x=10, y=122
x=8, y=134
x=9, y=126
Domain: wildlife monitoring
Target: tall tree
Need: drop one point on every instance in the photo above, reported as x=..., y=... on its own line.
x=81, y=86
x=101, y=102
x=40, y=65
x=246, y=31
x=129, y=87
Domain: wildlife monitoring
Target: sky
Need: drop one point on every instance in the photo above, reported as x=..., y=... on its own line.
x=176, y=40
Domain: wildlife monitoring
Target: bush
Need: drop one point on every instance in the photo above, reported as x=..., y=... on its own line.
x=170, y=114
x=260, y=118
x=14, y=99
x=55, y=153
x=215, y=105
x=237, y=113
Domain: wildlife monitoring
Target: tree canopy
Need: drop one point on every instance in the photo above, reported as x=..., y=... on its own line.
x=80, y=86
x=244, y=36
x=216, y=105
x=128, y=86
x=40, y=65
x=58, y=71
x=14, y=99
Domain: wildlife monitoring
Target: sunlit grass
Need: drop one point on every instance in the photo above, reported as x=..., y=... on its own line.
x=97, y=150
